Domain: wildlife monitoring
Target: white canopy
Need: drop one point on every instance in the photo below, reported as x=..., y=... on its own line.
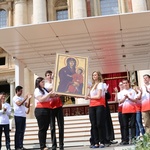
x=113, y=43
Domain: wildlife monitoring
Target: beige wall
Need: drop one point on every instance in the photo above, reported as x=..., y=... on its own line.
x=148, y=4
x=53, y=5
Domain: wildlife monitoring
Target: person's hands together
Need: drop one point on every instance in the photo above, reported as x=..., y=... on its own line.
x=30, y=96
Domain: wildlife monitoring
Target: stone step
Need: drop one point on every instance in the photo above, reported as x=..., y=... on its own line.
x=76, y=129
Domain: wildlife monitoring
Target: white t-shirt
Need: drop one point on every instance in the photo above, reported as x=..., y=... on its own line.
x=119, y=96
x=4, y=116
x=100, y=86
x=19, y=110
x=138, y=95
x=145, y=94
x=128, y=105
x=48, y=86
x=94, y=91
x=37, y=93
x=145, y=98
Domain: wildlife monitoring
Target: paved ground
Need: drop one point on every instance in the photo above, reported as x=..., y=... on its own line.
x=112, y=147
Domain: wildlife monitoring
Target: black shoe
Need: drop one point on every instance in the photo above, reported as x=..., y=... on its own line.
x=113, y=142
x=125, y=143
x=61, y=147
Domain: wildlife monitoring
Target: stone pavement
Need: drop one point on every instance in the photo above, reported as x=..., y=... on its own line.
x=112, y=147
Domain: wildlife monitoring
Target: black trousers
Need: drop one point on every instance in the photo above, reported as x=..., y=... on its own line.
x=129, y=120
x=57, y=113
x=109, y=125
x=5, y=128
x=20, y=125
x=43, y=119
x=121, y=125
x=97, y=119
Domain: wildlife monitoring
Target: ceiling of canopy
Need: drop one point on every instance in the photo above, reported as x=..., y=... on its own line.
x=112, y=43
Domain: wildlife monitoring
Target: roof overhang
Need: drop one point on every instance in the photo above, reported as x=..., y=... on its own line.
x=112, y=43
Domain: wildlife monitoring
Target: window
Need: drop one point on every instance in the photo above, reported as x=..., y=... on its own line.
x=109, y=7
x=61, y=9
x=3, y=18
x=2, y=61
x=62, y=14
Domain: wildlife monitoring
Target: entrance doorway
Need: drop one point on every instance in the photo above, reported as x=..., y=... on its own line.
x=5, y=87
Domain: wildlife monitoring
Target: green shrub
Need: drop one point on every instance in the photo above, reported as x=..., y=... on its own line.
x=143, y=143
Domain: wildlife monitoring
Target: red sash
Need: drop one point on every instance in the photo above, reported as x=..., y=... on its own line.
x=43, y=105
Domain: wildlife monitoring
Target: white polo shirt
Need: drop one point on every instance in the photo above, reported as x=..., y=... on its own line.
x=19, y=110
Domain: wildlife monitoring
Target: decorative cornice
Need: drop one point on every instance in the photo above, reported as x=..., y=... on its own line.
x=11, y=80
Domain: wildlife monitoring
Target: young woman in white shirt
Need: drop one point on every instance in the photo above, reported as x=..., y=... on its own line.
x=42, y=111
x=97, y=110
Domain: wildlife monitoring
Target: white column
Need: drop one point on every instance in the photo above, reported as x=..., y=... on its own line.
x=29, y=88
x=122, y=7
x=96, y=4
x=39, y=11
x=10, y=14
x=11, y=81
x=19, y=73
x=79, y=9
x=10, y=17
x=140, y=76
x=20, y=16
x=139, y=5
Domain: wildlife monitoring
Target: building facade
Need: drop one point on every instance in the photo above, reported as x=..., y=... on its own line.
x=24, y=12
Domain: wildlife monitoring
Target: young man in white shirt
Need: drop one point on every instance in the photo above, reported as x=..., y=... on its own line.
x=20, y=104
x=5, y=112
x=128, y=99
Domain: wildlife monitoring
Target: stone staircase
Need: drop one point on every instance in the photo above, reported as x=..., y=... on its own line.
x=77, y=132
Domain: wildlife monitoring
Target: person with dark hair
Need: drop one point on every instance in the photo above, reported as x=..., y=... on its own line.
x=65, y=75
x=48, y=80
x=128, y=99
x=20, y=104
x=56, y=112
x=42, y=111
x=146, y=102
x=4, y=120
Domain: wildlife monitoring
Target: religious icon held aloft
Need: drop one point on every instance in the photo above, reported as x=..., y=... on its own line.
x=71, y=75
